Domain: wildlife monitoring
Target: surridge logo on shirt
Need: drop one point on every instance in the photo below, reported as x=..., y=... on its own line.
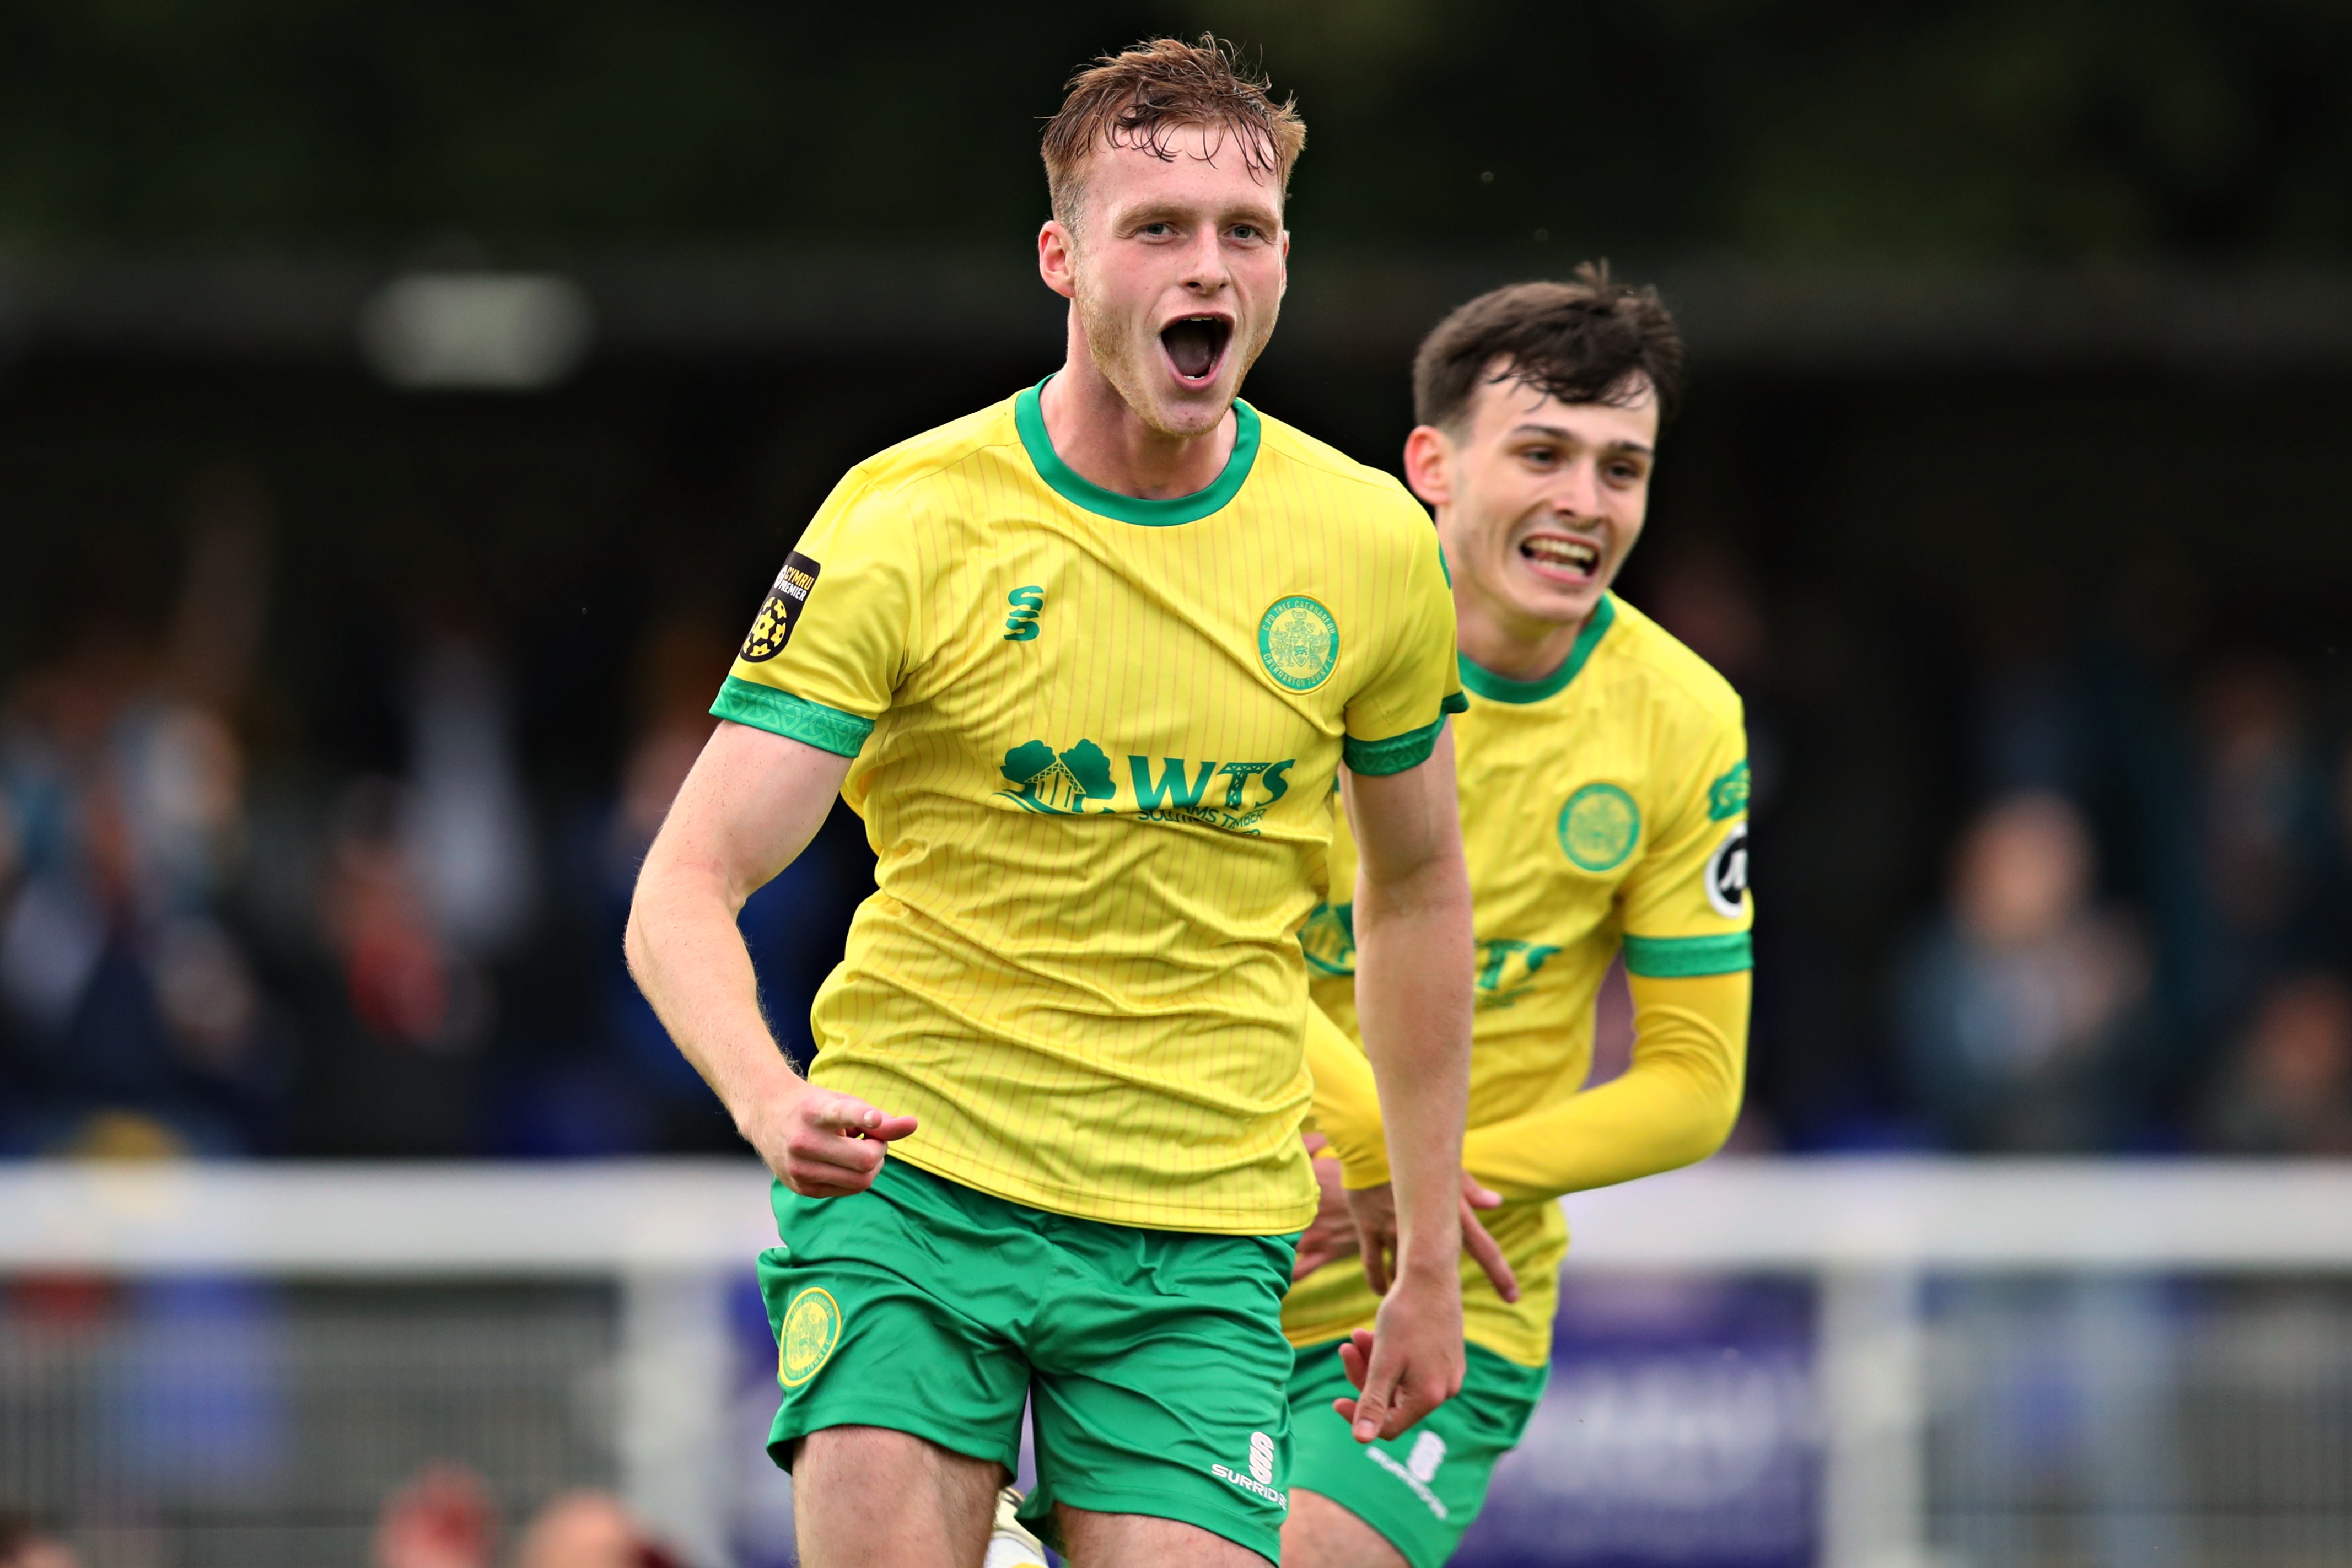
x=1599, y=827
x=1027, y=603
x=1058, y=784
x=771, y=628
x=812, y=1329
x=1299, y=642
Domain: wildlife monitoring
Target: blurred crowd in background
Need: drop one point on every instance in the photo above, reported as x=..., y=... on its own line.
x=218, y=938
x=210, y=947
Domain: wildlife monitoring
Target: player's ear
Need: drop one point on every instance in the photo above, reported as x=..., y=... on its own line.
x=1429, y=463
x=1057, y=258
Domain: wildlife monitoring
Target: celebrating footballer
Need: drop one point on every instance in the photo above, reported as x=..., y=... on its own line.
x=1088, y=662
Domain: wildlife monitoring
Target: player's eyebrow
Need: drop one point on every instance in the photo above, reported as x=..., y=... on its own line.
x=1561, y=432
x=1262, y=216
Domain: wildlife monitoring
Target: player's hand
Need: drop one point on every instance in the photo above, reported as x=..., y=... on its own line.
x=824, y=1145
x=1332, y=1235
x=1373, y=1209
x=1412, y=1360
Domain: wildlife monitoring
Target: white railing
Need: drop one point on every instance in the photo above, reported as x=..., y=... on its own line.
x=673, y=1234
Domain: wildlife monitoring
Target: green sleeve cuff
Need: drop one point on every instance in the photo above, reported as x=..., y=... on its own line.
x=780, y=713
x=1394, y=754
x=1683, y=958
x=1458, y=701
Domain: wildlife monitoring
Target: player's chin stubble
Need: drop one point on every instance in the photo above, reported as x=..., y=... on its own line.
x=1130, y=359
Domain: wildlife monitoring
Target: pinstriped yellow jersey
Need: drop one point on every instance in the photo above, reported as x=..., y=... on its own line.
x=1604, y=808
x=1095, y=740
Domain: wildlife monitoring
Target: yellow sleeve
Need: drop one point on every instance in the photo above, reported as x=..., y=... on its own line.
x=1394, y=720
x=1686, y=906
x=1347, y=1101
x=1673, y=1106
x=831, y=643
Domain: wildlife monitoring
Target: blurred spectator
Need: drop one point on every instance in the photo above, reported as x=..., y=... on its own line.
x=588, y=1529
x=23, y=1545
x=2286, y=1086
x=2262, y=817
x=2020, y=1015
x=391, y=1070
x=444, y=1518
x=466, y=831
x=123, y=979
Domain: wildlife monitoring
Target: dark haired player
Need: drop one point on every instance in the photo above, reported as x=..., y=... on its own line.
x=1604, y=807
x=1087, y=662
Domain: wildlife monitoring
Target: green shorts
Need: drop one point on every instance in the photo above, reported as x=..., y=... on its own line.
x=1154, y=1358
x=1420, y=1490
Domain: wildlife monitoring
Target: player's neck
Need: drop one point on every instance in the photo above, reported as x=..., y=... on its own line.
x=1512, y=646
x=1095, y=430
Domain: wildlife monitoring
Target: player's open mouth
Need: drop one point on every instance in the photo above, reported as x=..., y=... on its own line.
x=1196, y=346
x=1567, y=557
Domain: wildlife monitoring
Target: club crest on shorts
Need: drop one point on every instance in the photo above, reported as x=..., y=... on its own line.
x=812, y=1328
x=1599, y=827
x=1299, y=642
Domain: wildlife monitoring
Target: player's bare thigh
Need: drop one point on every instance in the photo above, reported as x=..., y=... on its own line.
x=866, y=1497
x=1141, y=1540
x=1319, y=1533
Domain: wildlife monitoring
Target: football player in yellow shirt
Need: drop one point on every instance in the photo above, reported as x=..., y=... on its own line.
x=1604, y=804
x=1087, y=662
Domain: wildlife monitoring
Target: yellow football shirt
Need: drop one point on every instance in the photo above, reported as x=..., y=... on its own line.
x=1096, y=744
x=1602, y=808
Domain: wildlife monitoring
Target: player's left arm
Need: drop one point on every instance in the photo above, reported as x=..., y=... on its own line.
x=1687, y=915
x=1413, y=969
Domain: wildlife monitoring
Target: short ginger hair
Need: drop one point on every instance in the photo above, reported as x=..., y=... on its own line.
x=1138, y=97
x=1593, y=339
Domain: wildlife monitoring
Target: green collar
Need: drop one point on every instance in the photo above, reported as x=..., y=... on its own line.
x=1501, y=689
x=1029, y=419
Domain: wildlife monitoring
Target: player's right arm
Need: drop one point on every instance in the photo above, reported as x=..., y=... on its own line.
x=750, y=805
x=824, y=660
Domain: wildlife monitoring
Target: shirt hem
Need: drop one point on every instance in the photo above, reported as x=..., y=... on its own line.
x=1166, y=1216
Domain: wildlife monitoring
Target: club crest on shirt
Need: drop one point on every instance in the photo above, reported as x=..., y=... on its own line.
x=781, y=610
x=1299, y=642
x=1599, y=827
x=812, y=1329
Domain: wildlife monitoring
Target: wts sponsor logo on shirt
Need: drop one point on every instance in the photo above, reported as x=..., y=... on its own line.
x=1233, y=796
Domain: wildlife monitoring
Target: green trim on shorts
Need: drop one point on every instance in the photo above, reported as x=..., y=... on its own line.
x=1422, y=1490
x=1152, y=1361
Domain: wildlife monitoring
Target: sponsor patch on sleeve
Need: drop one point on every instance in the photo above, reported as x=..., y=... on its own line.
x=781, y=610
x=1726, y=874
